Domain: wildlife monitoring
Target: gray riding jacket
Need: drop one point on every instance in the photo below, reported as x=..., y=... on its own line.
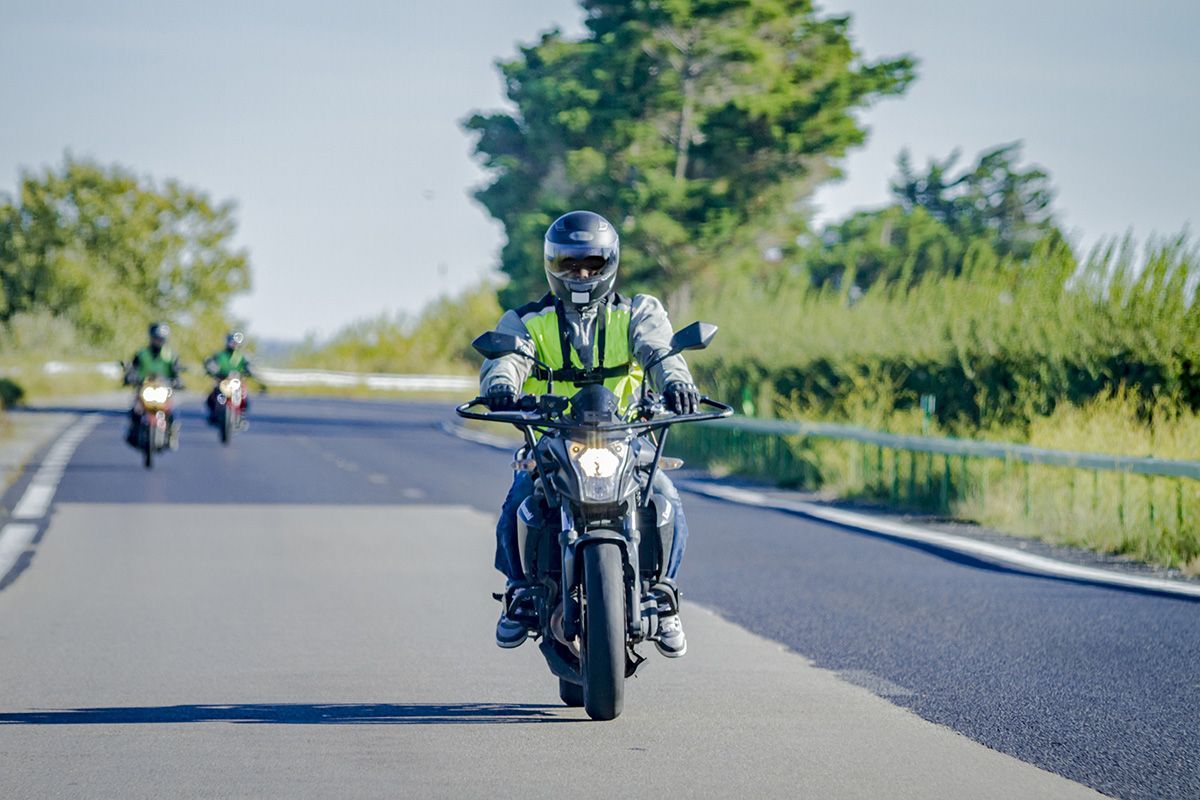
x=649, y=335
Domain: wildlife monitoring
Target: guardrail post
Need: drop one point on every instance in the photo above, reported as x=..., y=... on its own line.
x=1121, y=500
x=895, y=476
x=912, y=475
x=945, y=495
x=1178, y=505
x=963, y=482
x=929, y=475
x=1028, y=504
x=879, y=463
x=1150, y=497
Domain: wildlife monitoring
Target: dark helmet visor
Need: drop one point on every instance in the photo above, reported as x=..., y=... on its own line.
x=569, y=261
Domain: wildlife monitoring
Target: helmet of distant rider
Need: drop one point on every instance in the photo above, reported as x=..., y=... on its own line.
x=582, y=252
x=234, y=340
x=159, y=333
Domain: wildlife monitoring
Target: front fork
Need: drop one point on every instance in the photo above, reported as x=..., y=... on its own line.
x=642, y=612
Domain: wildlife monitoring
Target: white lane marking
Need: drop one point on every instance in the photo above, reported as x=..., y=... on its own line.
x=35, y=501
x=15, y=539
x=899, y=530
x=984, y=550
x=40, y=493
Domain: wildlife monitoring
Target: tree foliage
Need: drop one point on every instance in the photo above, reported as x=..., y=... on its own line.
x=941, y=223
x=108, y=252
x=681, y=120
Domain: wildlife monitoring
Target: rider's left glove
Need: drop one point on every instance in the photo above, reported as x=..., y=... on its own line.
x=682, y=397
x=502, y=397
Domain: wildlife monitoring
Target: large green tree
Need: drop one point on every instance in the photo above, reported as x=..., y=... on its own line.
x=109, y=251
x=941, y=223
x=684, y=121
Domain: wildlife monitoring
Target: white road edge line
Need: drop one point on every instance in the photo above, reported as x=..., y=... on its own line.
x=40, y=493
x=993, y=553
x=984, y=550
x=15, y=538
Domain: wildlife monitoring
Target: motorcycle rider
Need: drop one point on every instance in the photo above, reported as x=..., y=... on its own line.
x=583, y=319
x=155, y=360
x=223, y=362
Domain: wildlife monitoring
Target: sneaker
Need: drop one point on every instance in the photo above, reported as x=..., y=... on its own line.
x=510, y=633
x=671, y=642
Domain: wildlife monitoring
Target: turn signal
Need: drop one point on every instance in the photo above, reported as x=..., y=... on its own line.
x=525, y=464
x=668, y=463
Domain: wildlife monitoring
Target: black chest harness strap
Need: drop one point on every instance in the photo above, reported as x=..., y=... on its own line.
x=573, y=374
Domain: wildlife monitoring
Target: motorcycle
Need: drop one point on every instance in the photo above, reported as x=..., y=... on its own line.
x=155, y=401
x=594, y=537
x=229, y=407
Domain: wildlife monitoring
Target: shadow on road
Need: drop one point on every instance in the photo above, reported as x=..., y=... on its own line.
x=298, y=714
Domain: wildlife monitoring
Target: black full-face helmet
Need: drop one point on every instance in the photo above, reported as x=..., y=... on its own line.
x=234, y=340
x=582, y=252
x=159, y=333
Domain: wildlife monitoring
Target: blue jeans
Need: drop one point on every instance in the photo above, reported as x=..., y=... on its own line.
x=508, y=554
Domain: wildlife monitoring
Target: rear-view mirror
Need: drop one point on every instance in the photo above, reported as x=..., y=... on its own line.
x=495, y=344
x=696, y=336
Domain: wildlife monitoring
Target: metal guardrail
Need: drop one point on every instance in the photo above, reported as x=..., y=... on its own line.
x=394, y=382
x=935, y=471
x=976, y=449
x=385, y=381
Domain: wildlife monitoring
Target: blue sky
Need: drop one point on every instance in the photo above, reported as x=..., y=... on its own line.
x=335, y=126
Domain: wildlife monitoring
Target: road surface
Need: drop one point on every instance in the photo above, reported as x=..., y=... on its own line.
x=307, y=614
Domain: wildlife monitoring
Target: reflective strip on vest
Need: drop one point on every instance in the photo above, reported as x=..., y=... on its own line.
x=543, y=328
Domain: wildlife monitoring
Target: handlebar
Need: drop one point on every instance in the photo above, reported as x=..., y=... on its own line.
x=534, y=419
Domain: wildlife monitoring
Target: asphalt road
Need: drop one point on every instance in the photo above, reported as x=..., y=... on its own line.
x=307, y=614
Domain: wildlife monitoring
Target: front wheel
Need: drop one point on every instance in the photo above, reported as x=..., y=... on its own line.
x=226, y=425
x=603, y=651
x=147, y=446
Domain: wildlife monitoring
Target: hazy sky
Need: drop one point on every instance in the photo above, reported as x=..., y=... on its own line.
x=336, y=126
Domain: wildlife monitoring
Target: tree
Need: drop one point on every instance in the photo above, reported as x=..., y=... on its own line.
x=684, y=121
x=941, y=224
x=109, y=252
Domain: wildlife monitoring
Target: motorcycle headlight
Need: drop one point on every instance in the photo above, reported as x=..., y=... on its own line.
x=597, y=468
x=230, y=385
x=155, y=395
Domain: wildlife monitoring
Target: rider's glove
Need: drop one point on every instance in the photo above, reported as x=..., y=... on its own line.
x=682, y=397
x=502, y=397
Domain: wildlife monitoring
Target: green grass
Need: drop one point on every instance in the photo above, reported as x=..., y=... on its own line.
x=1156, y=520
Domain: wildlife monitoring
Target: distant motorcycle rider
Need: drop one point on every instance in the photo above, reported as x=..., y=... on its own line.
x=223, y=363
x=154, y=361
x=583, y=320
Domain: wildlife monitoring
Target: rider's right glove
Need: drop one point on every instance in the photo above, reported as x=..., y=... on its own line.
x=682, y=397
x=502, y=397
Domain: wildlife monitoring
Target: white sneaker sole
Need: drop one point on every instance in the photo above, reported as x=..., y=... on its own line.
x=513, y=644
x=672, y=653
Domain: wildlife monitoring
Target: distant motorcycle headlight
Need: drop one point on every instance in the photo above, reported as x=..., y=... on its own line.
x=155, y=395
x=230, y=385
x=597, y=469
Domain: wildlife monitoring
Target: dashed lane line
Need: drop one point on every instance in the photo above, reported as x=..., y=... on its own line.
x=16, y=537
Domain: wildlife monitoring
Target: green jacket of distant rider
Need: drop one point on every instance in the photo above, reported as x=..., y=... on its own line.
x=155, y=360
x=223, y=362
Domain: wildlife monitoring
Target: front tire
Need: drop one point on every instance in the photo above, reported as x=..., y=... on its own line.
x=226, y=425
x=147, y=446
x=603, y=652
